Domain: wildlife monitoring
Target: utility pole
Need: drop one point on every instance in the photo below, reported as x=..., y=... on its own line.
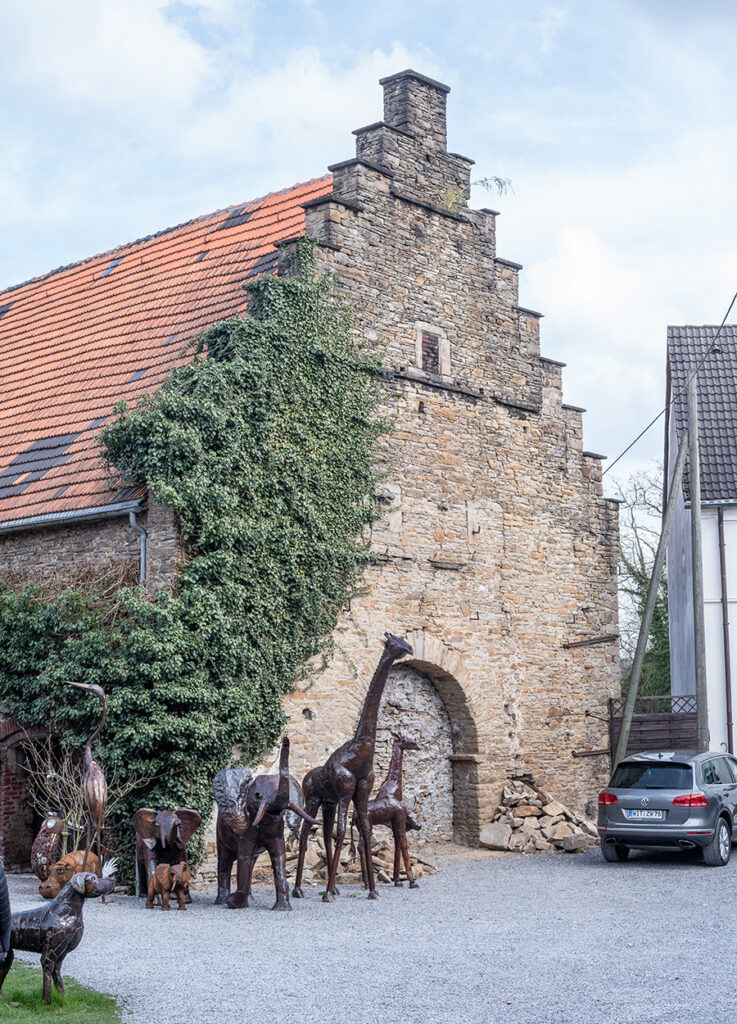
x=652, y=593
x=697, y=567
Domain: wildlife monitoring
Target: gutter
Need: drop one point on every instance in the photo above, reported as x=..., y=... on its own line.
x=725, y=628
x=83, y=515
x=121, y=508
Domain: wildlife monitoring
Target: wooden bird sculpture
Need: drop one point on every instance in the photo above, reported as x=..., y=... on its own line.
x=94, y=784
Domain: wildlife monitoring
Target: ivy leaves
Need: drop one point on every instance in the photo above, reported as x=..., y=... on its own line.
x=264, y=447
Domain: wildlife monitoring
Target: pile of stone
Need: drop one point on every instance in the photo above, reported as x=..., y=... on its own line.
x=528, y=819
x=315, y=869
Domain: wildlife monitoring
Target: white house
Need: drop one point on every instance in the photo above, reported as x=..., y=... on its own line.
x=717, y=390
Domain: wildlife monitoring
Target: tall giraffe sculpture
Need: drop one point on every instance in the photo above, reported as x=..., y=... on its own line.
x=348, y=775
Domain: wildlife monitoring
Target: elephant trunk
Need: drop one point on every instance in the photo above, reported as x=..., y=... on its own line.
x=282, y=795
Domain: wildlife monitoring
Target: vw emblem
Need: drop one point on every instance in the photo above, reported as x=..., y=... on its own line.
x=644, y=801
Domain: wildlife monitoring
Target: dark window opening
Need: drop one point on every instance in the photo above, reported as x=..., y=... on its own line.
x=430, y=352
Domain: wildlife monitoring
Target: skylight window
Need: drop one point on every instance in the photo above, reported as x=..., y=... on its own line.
x=111, y=267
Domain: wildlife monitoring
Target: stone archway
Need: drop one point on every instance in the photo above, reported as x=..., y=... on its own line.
x=412, y=706
x=434, y=685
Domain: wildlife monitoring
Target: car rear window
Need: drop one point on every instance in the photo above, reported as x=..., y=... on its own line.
x=646, y=775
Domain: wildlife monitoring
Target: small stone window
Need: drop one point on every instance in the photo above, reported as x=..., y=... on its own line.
x=430, y=352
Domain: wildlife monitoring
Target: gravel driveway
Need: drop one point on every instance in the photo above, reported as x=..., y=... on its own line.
x=518, y=939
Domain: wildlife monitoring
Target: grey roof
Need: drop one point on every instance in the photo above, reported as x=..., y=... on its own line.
x=717, y=391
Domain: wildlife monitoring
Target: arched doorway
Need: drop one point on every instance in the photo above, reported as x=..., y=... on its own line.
x=411, y=705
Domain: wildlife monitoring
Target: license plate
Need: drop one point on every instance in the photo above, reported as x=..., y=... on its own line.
x=649, y=815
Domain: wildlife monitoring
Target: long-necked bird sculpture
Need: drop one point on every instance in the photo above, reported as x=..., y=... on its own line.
x=94, y=784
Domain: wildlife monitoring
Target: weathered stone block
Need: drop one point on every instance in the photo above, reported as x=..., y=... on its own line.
x=495, y=836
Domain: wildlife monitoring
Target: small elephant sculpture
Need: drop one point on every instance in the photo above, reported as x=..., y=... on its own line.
x=169, y=879
x=55, y=929
x=161, y=838
x=250, y=820
x=47, y=846
x=64, y=869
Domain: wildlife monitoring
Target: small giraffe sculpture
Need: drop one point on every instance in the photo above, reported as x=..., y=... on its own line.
x=348, y=775
x=388, y=808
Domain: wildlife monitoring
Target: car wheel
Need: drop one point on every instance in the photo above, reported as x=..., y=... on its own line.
x=716, y=854
x=614, y=852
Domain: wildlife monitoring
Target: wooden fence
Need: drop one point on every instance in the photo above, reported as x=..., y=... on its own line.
x=659, y=723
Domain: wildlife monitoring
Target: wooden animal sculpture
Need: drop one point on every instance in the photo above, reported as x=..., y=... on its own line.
x=161, y=838
x=348, y=775
x=95, y=786
x=169, y=878
x=47, y=846
x=250, y=820
x=388, y=808
x=62, y=871
x=55, y=929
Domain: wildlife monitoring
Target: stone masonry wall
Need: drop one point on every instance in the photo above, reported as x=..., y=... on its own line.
x=498, y=549
x=61, y=551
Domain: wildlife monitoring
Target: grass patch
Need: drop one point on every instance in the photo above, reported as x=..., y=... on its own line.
x=21, y=1000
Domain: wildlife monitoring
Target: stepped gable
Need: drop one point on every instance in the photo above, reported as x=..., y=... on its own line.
x=77, y=340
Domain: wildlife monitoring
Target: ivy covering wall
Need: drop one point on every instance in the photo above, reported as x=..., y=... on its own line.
x=264, y=446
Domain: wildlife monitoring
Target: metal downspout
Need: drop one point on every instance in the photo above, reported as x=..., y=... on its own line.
x=725, y=627
x=135, y=525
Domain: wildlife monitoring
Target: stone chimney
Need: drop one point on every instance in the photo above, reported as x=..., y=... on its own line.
x=411, y=142
x=416, y=105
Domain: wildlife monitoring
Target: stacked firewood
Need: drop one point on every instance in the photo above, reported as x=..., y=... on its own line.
x=529, y=819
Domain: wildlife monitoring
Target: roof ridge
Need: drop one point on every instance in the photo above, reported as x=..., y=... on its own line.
x=157, y=234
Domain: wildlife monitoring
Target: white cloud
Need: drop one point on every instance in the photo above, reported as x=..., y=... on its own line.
x=128, y=59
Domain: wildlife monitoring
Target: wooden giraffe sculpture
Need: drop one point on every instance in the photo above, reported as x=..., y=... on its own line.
x=388, y=808
x=348, y=775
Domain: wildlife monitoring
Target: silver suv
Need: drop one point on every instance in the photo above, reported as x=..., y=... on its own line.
x=671, y=799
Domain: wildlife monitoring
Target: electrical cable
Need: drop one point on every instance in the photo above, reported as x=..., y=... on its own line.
x=678, y=393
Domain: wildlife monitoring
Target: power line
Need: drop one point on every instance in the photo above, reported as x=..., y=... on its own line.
x=678, y=393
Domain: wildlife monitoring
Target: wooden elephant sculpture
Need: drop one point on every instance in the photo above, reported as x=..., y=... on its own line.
x=64, y=869
x=47, y=846
x=250, y=820
x=169, y=879
x=161, y=838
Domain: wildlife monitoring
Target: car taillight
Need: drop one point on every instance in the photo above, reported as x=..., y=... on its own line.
x=607, y=798
x=691, y=800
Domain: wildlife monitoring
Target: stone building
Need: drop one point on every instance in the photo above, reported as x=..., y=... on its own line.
x=497, y=556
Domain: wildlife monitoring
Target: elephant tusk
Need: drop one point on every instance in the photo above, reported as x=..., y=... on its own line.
x=260, y=814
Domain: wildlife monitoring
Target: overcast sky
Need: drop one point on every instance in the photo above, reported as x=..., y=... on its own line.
x=614, y=119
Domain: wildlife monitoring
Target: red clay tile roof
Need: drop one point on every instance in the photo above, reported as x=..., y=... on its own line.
x=75, y=341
